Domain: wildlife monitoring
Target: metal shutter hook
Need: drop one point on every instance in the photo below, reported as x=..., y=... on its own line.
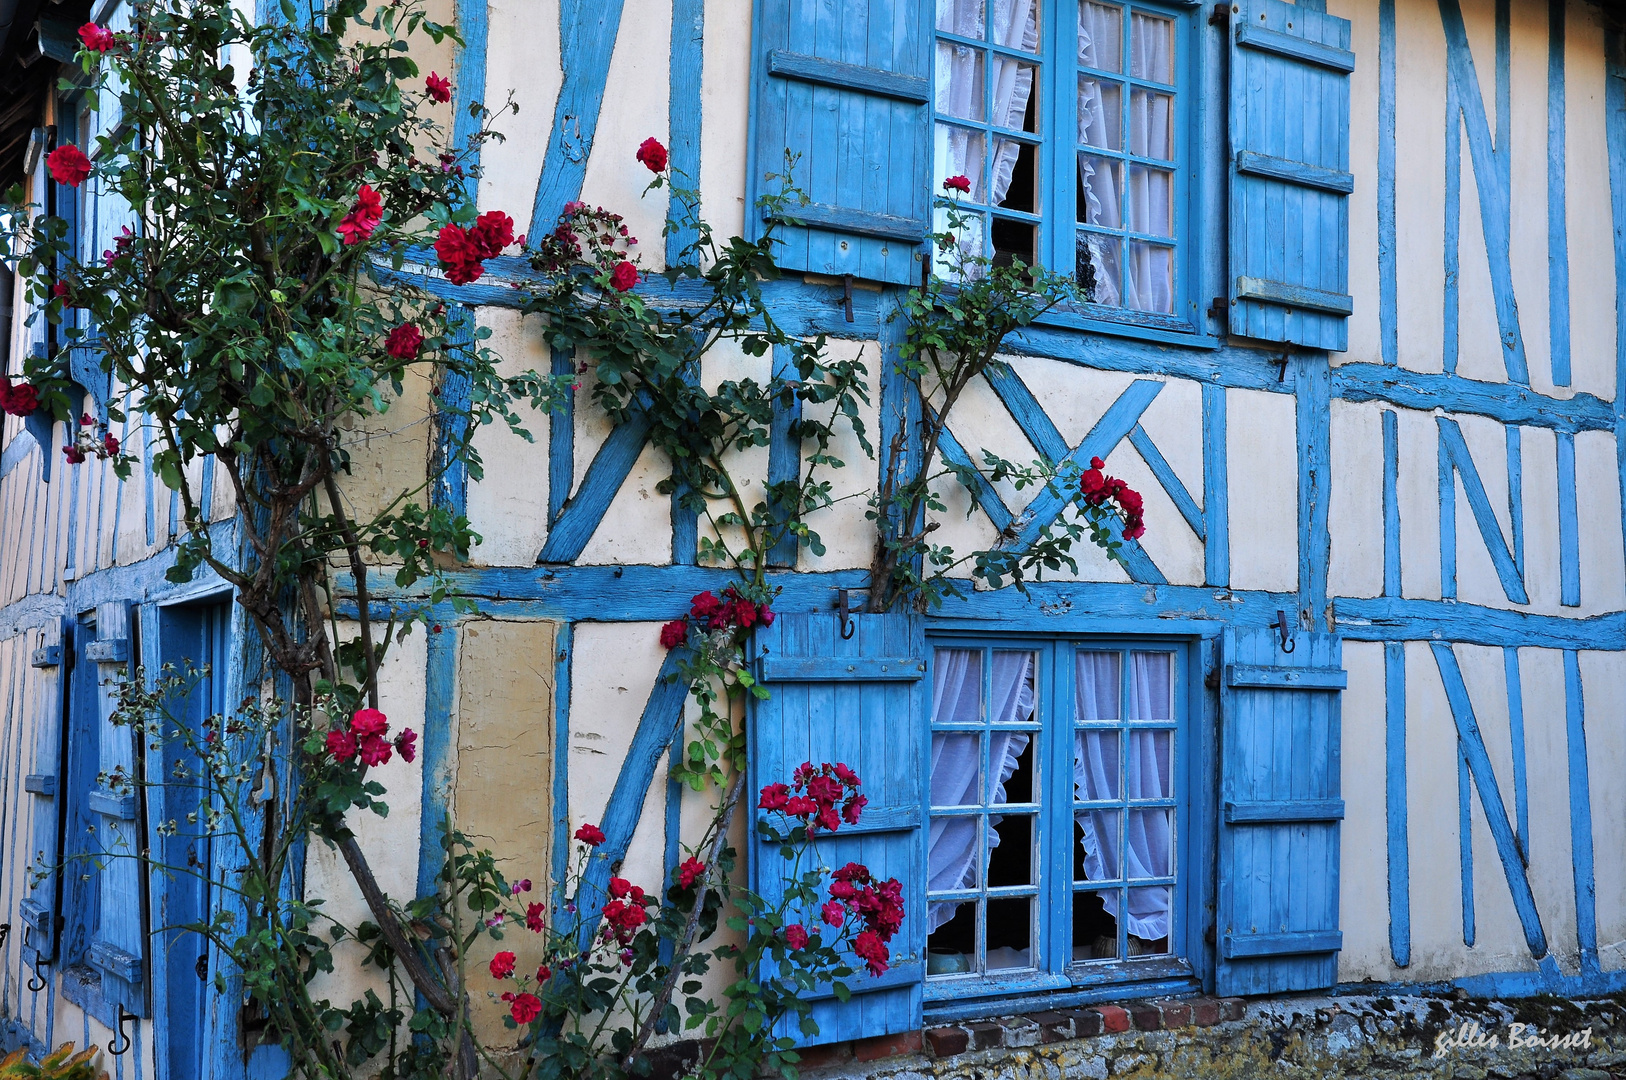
x=119, y=1033
x=1280, y=626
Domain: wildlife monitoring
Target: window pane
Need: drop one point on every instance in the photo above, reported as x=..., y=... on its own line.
x=1101, y=36
x=1148, y=771
x=968, y=242
x=1015, y=105
x=1095, y=926
x=1016, y=24
x=959, y=152
x=957, y=686
x=1014, y=240
x=1151, y=124
x=1010, y=761
x=1099, y=122
x=1150, y=199
x=1149, y=909
x=1149, y=277
x=1013, y=700
x=1016, y=175
x=963, y=17
x=1099, y=843
x=1101, y=185
x=1010, y=933
x=1103, y=256
x=1151, y=44
x=956, y=764
x=1150, y=843
x=960, y=74
x=1095, y=765
x=951, y=944
x=1151, y=676
x=1011, y=851
x=1097, y=685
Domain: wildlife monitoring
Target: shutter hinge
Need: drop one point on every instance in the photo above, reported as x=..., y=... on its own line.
x=846, y=298
x=1219, y=309
x=1220, y=15
x=1288, y=644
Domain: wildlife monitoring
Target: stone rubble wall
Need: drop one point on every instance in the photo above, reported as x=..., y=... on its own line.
x=1373, y=1038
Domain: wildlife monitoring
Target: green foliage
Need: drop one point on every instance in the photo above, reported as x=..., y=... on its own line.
x=61, y=1064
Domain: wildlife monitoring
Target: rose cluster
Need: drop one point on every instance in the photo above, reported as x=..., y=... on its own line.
x=588, y=235
x=463, y=252
x=821, y=796
x=367, y=736
x=363, y=218
x=709, y=612
x=1097, y=488
x=879, y=904
x=624, y=912
x=18, y=399
x=86, y=445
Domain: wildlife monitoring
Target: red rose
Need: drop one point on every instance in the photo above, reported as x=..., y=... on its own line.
x=846, y=775
x=18, y=400
x=957, y=183
x=832, y=912
x=526, y=1007
x=110, y=444
x=869, y=948
x=68, y=165
x=74, y=455
x=653, y=155
x=97, y=39
x=458, y=255
x=492, y=231
x=368, y=722
x=374, y=751
x=543, y=974
x=363, y=218
x=843, y=890
x=624, y=277
x=850, y=812
x=502, y=965
x=705, y=605
x=406, y=744
x=801, y=806
x=690, y=872
x=533, y=919
x=674, y=633
x=765, y=615
x=796, y=937
x=404, y=342
x=439, y=89
x=774, y=797
x=852, y=872
x=824, y=790
x=341, y=744
x=591, y=835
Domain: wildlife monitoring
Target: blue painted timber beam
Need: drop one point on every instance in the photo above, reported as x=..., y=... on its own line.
x=587, y=33
x=1581, y=849
x=1506, y=402
x=1313, y=417
x=1388, y=266
x=1216, y=489
x=1614, y=98
x=1491, y=182
x=1558, y=244
x=683, y=110
x=1395, y=801
x=582, y=512
x=1472, y=743
x=1166, y=476
x=1454, y=456
x=982, y=492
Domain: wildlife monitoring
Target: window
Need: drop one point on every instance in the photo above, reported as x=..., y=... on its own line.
x=1056, y=810
x=1074, y=137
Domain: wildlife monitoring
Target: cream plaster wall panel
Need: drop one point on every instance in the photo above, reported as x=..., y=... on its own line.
x=1074, y=397
x=1477, y=582
x=1169, y=541
x=1365, y=340
x=1527, y=75
x=390, y=843
x=1546, y=756
x=1363, y=844
x=1541, y=572
x=637, y=526
x=613, y=668
x=1603, y=683
x=503, y=790
x=1479, y=345
x=1431, y=822
x=728, y=362
x=389, y=451
x=1355, y=513
x=849, y=538
x=1597, y=488
x=1261, y=447
x=1418, y=488
x=1420, y=78
x=1174, y=420
x=724, y=114
x=1587, y=205
x=634, y=109
x=1499, y=943
x=523, y=58
x=509, y=507
x=1479, y=16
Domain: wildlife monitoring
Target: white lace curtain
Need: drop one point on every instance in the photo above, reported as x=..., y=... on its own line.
x=1146, y=775
x=1142, y=201
x=954, y=860
x=959, y=74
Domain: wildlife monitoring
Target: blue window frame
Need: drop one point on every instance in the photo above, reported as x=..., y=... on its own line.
x=1077, y=124
x=1060, y=774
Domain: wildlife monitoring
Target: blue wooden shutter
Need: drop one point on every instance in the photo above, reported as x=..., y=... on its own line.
x=1277, y=919
x=844, y=87
x=118, y=946
x=41, y=908
x=859, y=701
x=1290, y=178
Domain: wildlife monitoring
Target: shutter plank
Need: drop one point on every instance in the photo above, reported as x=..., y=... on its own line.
x=39, y=909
